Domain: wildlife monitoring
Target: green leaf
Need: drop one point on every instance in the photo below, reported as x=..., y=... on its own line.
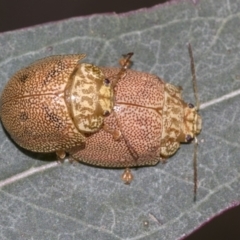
x=41, y=199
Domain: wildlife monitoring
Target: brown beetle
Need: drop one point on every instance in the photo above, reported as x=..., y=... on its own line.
x=150, y=119
x=51, y=104
x=103, y=116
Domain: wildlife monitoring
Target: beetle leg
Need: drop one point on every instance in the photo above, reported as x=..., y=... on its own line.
x=61, y=155
x=125, y=60
x=127, y=176
x=125, y=64
x=114, y=132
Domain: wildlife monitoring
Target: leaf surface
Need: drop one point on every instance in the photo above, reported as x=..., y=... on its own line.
x=41, y=199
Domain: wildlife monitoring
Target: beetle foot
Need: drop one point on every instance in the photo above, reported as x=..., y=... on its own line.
x=61, y=155
x=116, y=135
x=125, y=61
x=127, y=176
x=114, y=132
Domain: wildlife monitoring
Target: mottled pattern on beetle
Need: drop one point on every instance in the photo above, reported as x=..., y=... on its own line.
x=90, y=97
x=102, y=150
x=138, y=114
x=173, y=115
x=42, y=77
x=39, y=119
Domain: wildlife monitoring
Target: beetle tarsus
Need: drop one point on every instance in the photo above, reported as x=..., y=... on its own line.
x=61, y=155
x=125, y=61
x=114, y=132
x=125, y=64
x=127, y=176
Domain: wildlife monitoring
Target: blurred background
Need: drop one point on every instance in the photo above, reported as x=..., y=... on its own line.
x=19, y=14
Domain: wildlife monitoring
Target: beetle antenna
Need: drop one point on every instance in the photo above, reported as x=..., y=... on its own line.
x=194, y=80
x=195, y=174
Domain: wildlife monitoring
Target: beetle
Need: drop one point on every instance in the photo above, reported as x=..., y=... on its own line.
x=53, y=103
x=102, y=116
x=150, y=120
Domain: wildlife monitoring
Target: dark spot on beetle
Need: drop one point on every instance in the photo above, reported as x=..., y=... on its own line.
x=106, y=81
x=50, y=76
x=23, y=116
x=61, y=65
x=189, y=138
x=106, y=113
x=190, y=105
x=54, y=72
x=23, y=78
x=53, y=118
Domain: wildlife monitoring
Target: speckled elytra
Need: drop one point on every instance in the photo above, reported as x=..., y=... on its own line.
x=103, y=116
